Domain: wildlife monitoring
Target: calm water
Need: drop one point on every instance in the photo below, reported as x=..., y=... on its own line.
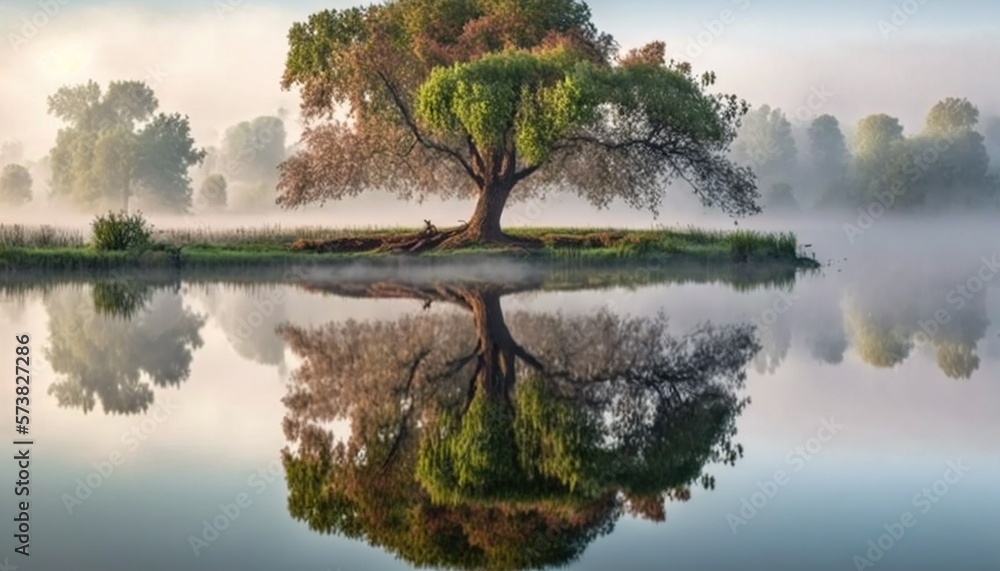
x=391, y=422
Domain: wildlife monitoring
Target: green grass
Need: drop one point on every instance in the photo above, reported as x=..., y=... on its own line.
x=50, y=249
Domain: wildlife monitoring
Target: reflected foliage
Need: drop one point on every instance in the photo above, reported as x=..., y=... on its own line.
x=489, y=442
x=928, y=312
x=120, y=298
x=249, y=318
x=115, y=349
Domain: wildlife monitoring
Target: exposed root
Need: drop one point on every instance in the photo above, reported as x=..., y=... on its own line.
x=430, y=238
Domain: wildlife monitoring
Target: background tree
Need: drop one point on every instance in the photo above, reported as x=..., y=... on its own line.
x=497, y=100
x=212, y=195
x=765, y=142
x=15, y=185
x=886, y=326
x=875, y=135
x=249, y=157
x=495, y=446
x=958, y=174
x=106, y=347
x=883, y=163
x=991, y=136
x=829, y=159
x=115, y=146
x=951, y=117
x=256, y=341
x=165, y=152
x=775, y=341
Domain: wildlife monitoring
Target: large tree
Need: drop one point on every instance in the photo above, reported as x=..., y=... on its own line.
x=115, y=146
x=499, y=99
x=484, y=442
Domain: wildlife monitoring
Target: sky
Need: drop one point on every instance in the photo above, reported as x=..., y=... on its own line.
x=219, y=61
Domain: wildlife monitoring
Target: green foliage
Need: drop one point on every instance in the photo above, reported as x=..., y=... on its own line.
x=951, y=117
x=745, y=244
x=114, y=146
x=497, y=94
x=120, y=231
x=947, y=166
x=876, y=135
x=556, y=439
x=113, y=358
x=15, y=185
x=957, y=361
x=537, y=97
x=473, y=455
x=165, y=150
x=120, y=298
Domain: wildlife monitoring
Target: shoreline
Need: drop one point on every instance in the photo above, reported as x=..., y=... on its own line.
x=176, y=250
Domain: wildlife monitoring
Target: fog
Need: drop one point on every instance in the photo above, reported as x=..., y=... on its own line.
x=221, y=66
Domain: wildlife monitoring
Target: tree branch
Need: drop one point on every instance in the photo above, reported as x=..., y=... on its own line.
x=423, y=140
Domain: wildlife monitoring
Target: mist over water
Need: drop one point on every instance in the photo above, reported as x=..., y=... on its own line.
x=482, y=405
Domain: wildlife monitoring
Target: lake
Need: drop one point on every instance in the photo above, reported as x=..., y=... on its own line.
x=513, y=417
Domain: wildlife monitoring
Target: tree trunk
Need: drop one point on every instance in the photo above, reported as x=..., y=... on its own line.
x=485, y=223
x=496, y=373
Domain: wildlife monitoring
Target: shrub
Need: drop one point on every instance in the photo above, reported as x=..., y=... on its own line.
x=121, y=231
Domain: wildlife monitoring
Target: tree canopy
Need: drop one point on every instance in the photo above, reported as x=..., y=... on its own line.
x=485, y=442
x=115, y=146
x=944, y=167
x=500, y=99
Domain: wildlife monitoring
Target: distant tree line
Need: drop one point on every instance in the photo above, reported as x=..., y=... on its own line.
x=952, y=163
x=116, y=151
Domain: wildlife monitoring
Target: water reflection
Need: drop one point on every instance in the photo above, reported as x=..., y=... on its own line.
x=924, y=311
x=484, y=441
x=110, y=343
x=490, y=430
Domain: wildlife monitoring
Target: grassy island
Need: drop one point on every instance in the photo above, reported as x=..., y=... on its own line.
x=23, y=248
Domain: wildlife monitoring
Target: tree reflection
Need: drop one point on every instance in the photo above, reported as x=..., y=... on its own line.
x=503, y=443
x=249, y=318
x=110, y=345
x=887, y=326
